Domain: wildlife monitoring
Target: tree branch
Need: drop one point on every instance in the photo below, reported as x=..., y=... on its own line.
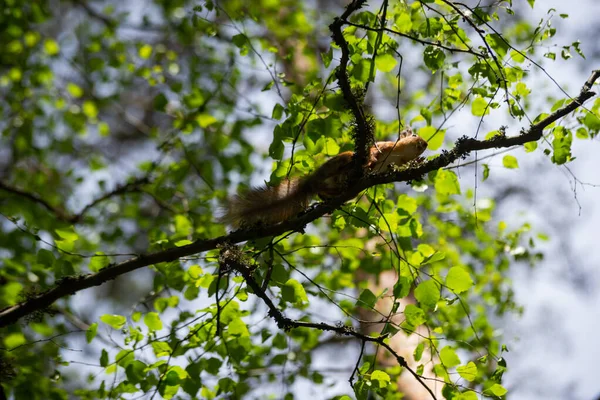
x=462, y=148
x=58, y=212
x=120, y=189
x=65, y=216
x=364, y=131
x=418, y=40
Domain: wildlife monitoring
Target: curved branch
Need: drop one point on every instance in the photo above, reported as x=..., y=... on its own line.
x=418, y=40
x=58, y=212
x=65, y=216
x=364, y=135
x=133, y=186
x=462, y=148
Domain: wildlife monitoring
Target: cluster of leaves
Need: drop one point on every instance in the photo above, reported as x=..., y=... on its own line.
x=121, y=137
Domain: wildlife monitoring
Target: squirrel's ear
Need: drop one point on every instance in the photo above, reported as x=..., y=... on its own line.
x=406, y=132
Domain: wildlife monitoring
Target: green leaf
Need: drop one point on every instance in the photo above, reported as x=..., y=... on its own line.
x=582, y=133
x=280, y=342
x=136, y=316
x=183, y=226
x=67, y=234
x=437, y=256
x=136, y=371
x=530, y=146
x=480, y=107
x=91, y=332
x=162, y=303
x=446, y=182
x=418, y=352
x=45, y=258
x=205, y=120
x=468, y=372
x=448, y=357
x=458, y=280
x=213, y=365
x=293, y=292
x=402, y=287
x=403, y=22
x=161, y=349
x=517, y=56
x=145, y=51
x=13, y=340
x=366, y=299
x=385, y=62
x=389, y=222
x=153, y=322
x=237, y=327
x=434, y=137
x=178, y=371
x=160, y=102
x=522, y=90
x=469, y=395
x=427, y=114
x=592, y=121
x=103, y=129
x=434, y=58
x=497, y=390
x=426, y=250
x=268, y=86
x=104, y=358
x=498, y=44
x=277, y=111
x=239, y=40
x=98, y=261
x=327, y=57
x=89, y=109
x=124, y=358
x=407, y=203
x=361, y=70
x=510, y=162
x=427, y=293
x=380, y=379
x=420, y=369
x=74, y=90
x=51, y=47
x=561, y=145
x=329, y=146
x=414, y=315
x=31, y=38
x=486, y=172
x=276, y=149
x=63, y=268
x=114, y=321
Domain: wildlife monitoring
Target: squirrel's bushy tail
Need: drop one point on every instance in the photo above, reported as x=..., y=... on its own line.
x=267, y=205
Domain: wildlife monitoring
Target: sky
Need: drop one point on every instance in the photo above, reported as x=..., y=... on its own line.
x=553, y=348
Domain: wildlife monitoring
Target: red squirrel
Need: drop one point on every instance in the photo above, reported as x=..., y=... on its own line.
x=274, y=204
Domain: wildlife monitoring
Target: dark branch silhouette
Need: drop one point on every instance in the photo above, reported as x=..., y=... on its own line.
x=63, y=215
x=364, y=130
